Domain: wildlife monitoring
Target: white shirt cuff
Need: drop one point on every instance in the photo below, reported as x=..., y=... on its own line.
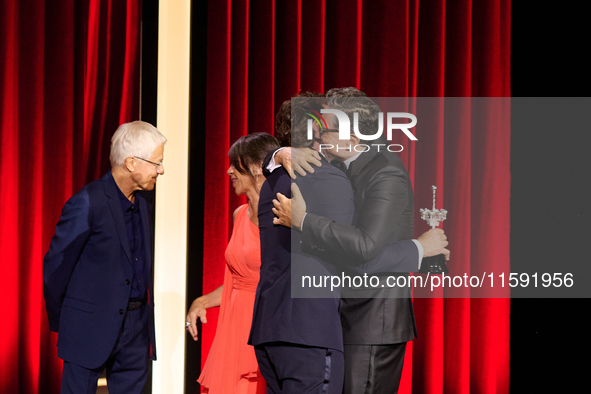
x=302, y=224
x=272, y=166
x=421, y=251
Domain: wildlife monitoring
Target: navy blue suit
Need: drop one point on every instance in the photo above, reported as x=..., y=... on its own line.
x=87, y=276
x=285, y=329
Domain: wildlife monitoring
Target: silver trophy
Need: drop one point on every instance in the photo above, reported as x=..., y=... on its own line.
x=433, y=264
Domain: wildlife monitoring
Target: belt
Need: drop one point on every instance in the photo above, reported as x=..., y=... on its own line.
x=133, y=305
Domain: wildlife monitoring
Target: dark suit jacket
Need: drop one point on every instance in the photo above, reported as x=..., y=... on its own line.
x=278, y=317
x=87, y=274
x=384, y=215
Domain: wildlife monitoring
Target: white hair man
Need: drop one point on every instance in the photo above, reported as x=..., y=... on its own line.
x=98, y=271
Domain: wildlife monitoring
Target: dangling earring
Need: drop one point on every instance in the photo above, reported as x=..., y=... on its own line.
x=258, y=181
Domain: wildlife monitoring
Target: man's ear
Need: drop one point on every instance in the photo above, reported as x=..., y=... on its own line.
x=129, y=164
x=354, y=140
x=315, y=127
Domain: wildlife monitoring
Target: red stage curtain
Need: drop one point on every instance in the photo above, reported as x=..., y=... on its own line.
x=69, y=75
x=263, y=52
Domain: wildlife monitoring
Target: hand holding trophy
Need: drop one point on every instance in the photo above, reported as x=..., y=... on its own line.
x=434, y=264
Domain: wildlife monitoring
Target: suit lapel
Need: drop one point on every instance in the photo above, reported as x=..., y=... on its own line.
x=147, y=237
x=115, y=206
x=357, y=165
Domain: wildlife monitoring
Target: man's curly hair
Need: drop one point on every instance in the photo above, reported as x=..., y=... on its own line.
x=293, y=131
x=351, y=100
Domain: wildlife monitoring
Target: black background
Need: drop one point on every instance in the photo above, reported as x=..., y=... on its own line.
x=549, y=192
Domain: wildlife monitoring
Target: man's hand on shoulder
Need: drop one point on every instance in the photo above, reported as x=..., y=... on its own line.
x=298, y=160
x=289, y=212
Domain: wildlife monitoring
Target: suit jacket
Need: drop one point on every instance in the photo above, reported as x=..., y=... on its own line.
x=277, y=317
x=384, y=215
x=87, y=274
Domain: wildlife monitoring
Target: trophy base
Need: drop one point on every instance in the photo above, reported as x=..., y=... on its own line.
x=434, y=265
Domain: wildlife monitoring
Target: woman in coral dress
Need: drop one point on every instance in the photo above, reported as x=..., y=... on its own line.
x=231, y=366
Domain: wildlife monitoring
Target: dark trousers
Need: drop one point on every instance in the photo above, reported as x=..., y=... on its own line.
x=373, y=368
x=127, y=366
x=298, y=369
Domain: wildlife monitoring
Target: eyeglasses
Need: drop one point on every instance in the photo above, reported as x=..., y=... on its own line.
x=151, y=162
x=323, y=131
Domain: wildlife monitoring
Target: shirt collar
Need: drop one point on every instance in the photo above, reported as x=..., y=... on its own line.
x=125, y=203
x=351, y=159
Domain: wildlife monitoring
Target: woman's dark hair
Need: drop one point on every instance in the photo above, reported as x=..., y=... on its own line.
x=250, y=150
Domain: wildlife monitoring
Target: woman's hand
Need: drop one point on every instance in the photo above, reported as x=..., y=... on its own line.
x=298, y=160
x=197, y=310
x=289, y=211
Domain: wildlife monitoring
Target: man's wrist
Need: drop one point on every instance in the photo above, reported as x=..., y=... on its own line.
x=272, y=166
